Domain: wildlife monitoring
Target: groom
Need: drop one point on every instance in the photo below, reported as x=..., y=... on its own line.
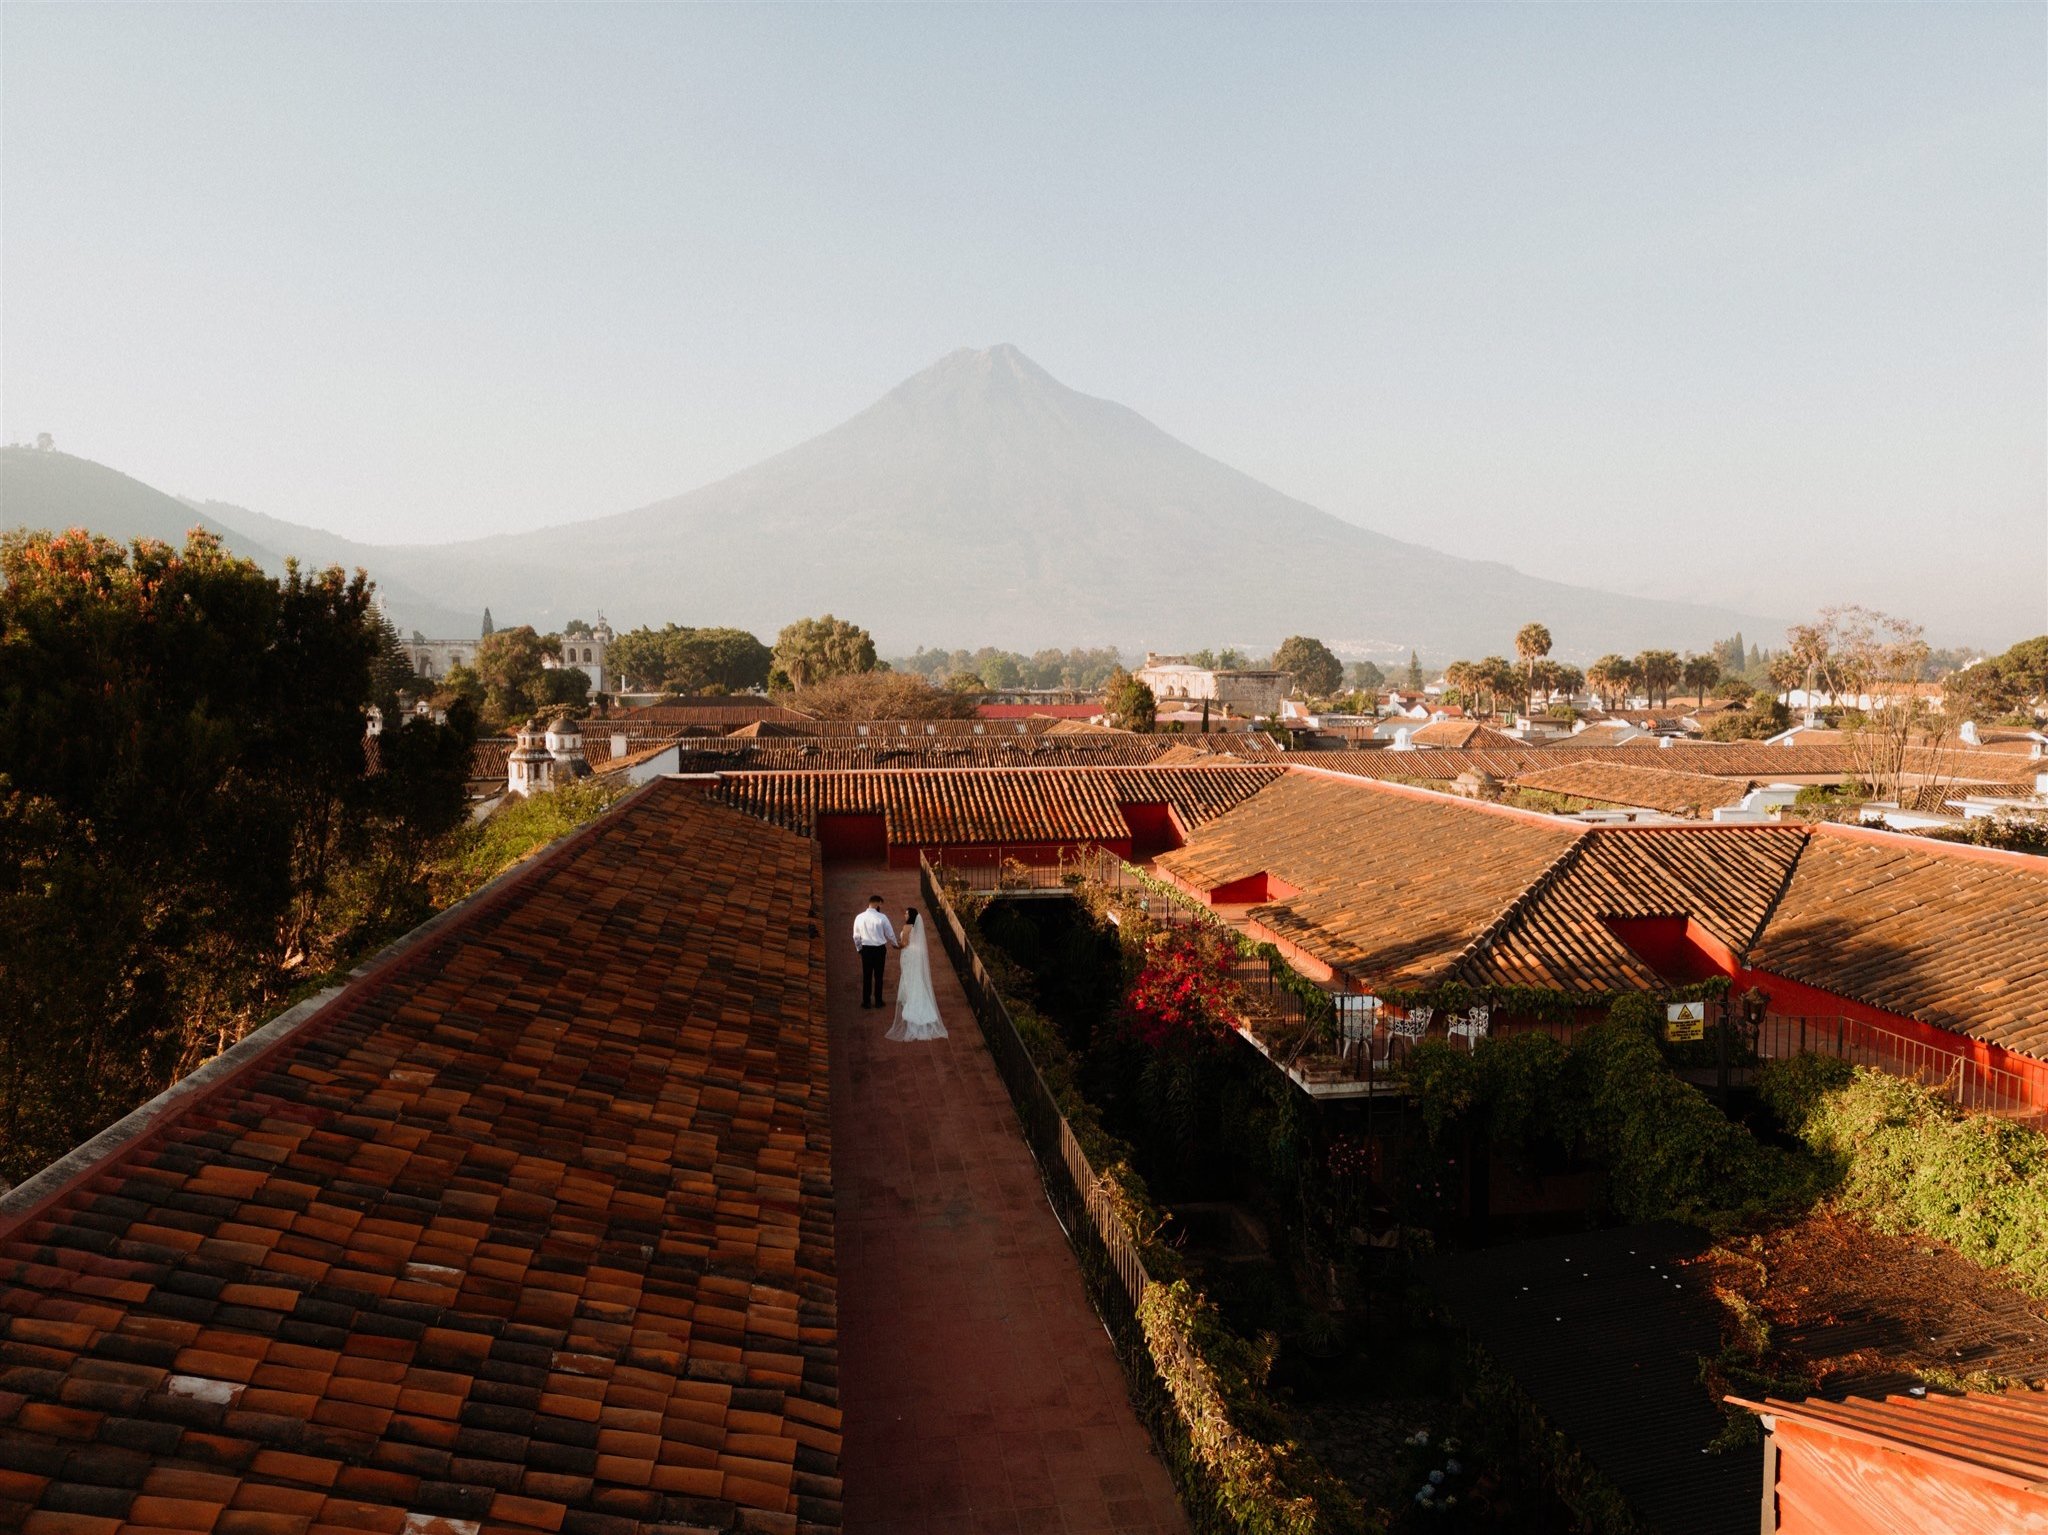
x=874, y=935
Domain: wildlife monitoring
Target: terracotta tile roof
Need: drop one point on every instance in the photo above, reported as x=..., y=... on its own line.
x=1464, y=735
x=843, y=756
x=934, y=806
x=1083, y=711
x=529, y=1230
x=1722, y=760
x=638, y=752
x=1954, y=936
x=1724, y=878
x=722, y=712
x=1648, y=788
x=910, y=730
x=1999, y=1437
x=1396, y=885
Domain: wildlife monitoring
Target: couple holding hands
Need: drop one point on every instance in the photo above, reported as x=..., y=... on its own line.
x=917, y=1008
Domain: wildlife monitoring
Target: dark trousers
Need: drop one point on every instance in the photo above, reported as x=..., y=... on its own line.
x=874, y=957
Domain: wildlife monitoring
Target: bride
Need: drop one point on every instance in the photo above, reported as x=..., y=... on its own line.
x=917, y=1009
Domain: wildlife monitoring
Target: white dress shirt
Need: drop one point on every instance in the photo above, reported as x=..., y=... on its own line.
x=872, y=927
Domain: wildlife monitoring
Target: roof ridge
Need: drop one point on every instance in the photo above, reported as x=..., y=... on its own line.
x=1777, y=898
x=1530, y=893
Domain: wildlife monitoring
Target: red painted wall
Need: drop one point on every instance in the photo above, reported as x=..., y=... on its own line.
x=1252, y=890
x=1796, y=999
x=863, y=837
x=1154, y=830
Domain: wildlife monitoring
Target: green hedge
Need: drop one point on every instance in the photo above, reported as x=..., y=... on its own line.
x=1905, y=1159
x=1666, y=1152
x=1240, y=1473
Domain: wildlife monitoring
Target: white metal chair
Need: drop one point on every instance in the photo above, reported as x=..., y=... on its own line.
x=1474, y=1025
x=1410, y=1028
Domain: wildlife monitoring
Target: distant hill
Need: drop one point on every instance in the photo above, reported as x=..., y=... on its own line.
x=984, y=502
x=41, y=488
x=46, y=489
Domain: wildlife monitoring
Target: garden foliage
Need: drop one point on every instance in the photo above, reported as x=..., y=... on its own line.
x=1905, y=1159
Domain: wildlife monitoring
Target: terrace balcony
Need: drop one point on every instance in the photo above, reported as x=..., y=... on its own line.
x=1276, y=1017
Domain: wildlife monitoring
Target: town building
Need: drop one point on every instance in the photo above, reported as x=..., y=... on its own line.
x=588, y=652
x=432, y=659
x=1177, y=683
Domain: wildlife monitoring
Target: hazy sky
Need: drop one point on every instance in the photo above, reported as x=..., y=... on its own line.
x=1740, y=302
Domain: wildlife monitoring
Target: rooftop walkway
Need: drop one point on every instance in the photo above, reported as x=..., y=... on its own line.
x=978, y=1388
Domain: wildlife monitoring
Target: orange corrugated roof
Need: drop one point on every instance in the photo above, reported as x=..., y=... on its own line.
x=2002, y=1436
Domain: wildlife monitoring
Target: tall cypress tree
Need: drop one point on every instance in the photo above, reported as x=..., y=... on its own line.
x=489, y=627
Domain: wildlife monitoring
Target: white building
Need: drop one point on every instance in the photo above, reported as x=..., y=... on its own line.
x=1176, y=682
x=544, y=756
x=432, y=658
x=587, y=653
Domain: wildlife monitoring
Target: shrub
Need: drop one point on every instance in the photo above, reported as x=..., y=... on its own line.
x=1792, y=1087
x=1909, y=1161
x=478, y=852
x=1667, y=1151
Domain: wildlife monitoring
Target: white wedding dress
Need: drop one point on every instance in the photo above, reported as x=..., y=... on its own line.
x=917, y=1008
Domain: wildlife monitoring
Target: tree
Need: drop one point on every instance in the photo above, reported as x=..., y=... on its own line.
x=1364, y=677
x=575, y=628
x=1129, y=703
x=1317, y=671
x=488, y=626
x=190, y=822
x=1569, y=679
x=45, y=442
x=1532, y=644
x=1856, y=653
x=509, y=669
x=674, y=659
x=1701, y=673
x=1606, y=677
x=881, y=696
x=1461, y=677
x=1414, y=672
x=813, y=650
x=2014, y=682
x=1001, y=671
x=1498, y=676
x=1657, y=671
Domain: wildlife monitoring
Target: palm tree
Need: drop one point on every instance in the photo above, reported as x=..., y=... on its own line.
x=1532, y=643
x=1608, y=675
x=1657, y=670
x=1701, y=673
x=1497, y=675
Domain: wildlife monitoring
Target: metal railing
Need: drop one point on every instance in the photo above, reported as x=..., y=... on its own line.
x=1972, y=1085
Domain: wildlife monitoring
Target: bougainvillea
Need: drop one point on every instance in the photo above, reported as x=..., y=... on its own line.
x=1183, y=993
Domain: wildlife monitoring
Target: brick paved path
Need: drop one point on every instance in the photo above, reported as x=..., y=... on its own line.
x=979, y=1389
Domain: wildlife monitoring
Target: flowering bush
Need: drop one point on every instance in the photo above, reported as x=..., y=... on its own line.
x=1182, y=993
